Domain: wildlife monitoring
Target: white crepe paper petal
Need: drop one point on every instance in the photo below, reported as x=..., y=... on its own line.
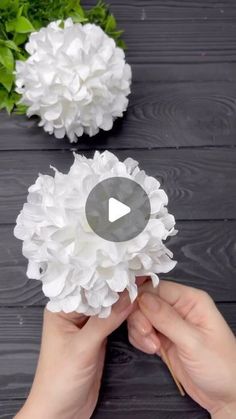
x=79, y=270
x=76, y=79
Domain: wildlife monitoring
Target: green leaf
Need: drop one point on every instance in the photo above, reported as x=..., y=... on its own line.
x=20, y=11
x=20, y=109
x=77, y=18
x=117, y=34
x=20, y=38
x=23, y=25
x=80, y=11
x=121, y=44
x=111, y=24
x=4, y=4
x=12, y=45
x=10, y=26
x=15, y=5
x=9, y=103
x=21, y=57
x=6, y=78
x=3, y=97
x=37, y=24
x=98, y=13
x=6, y=58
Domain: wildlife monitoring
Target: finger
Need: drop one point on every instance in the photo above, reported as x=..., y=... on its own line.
x=76, y=318
x=167, y=320
x=171, y=292
x=149, y=345
x=191, y=303
x=138, y=321
x=97, y=329
x=140, y=280
x=60, y=318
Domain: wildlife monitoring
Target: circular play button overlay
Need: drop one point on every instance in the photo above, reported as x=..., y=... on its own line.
x=118, y=209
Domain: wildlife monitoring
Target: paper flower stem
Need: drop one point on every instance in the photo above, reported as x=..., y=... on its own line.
x=168, y=364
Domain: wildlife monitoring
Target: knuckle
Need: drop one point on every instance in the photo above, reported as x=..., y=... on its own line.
x=132, y=319
x=205, y=297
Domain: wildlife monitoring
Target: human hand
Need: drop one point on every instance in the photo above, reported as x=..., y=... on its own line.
x=199, y=344
x=68, y=376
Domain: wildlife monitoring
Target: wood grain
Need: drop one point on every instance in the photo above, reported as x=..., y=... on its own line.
x=20, y=331
x=8, y=408
x=112, y=408
x=140, y=409
x=206, y=255
x=178, y=31
x=201, y=184
x=159, y=10
x=183, y=73
x=159, y=115
x=205, y=251
x=183, y=100
x=175, y=42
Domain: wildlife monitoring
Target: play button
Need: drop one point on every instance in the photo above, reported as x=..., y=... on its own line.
x=118, y=209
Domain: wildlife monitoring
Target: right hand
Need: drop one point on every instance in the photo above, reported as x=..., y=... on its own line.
x=199, y=344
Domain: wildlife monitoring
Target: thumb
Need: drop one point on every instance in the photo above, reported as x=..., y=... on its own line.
x=166, y=320
x=97, y=329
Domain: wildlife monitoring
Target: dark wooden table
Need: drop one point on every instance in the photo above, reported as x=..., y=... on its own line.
x=181, y=126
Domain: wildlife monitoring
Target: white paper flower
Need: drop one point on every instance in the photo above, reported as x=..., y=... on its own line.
x=76, y=79
x=79, y=270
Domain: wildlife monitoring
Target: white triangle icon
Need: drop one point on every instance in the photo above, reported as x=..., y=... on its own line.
x=117, y=210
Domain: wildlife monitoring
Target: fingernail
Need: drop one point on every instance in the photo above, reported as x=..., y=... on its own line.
x=149, y=302
x=150, y=345
x=143, y=328
x=155, y=340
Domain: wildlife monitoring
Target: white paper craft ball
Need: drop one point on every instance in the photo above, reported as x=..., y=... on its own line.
x=79, y=270
x=76, y=79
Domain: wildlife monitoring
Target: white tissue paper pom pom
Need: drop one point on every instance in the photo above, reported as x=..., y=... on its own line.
x=76, y=79
x=79, y=270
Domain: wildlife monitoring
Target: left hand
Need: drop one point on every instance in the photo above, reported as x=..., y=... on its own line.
x=70, y=366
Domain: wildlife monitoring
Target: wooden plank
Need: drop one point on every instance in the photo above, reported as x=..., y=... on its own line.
x=200, y=183
x=9, y=408
x=180, y=42
x=190, y=47
x=183, y=73
x=160, y=115
x=119, y=410
x=206, y=257
x=15, y=287
x=205, y=252
x=20, y=331
x=139, y=409
x=170, y=10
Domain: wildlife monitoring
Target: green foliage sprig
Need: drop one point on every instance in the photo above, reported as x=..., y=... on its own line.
x=18, y=18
